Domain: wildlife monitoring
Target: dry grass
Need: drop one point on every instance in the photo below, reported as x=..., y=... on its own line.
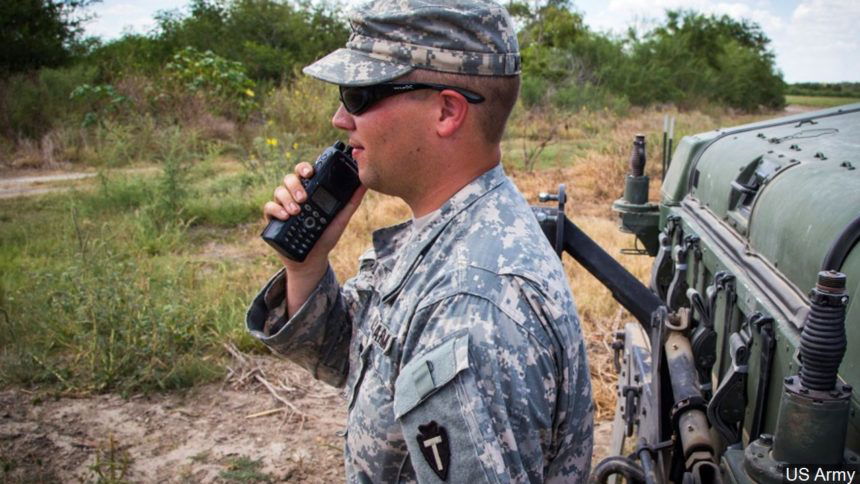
x=594, y=178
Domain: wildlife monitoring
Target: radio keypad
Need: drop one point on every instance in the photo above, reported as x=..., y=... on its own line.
x=307, y=229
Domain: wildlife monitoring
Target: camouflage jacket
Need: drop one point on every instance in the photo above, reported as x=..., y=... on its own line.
x=459, y=347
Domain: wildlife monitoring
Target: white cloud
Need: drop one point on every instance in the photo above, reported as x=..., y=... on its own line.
x=820, y=42
x=114, y=17
x=817, y=41
x=619, y=14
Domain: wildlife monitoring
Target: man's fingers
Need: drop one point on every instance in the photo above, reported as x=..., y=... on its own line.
x=304, y=169
x=294, y=185
x=274, y=210
x=284, y=197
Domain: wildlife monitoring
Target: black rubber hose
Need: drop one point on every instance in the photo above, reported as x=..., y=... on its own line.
x=822, y=346
x=822, y=340
x=842, y=246
x=617, y=465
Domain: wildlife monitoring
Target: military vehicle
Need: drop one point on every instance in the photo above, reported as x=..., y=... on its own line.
x=739, y=367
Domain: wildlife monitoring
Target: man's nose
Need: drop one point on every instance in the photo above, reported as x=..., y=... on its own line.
x=342, y=119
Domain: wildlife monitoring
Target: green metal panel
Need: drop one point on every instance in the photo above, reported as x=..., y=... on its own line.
x=799, y=215
x=805, y=191
x=674, y=186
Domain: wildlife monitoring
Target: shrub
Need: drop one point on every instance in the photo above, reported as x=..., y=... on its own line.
x=35, y=103
x=690, y=60
x=302, y=111
x=221, y=82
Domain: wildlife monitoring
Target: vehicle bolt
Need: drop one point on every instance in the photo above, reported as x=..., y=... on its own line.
x=789, y=380
x=766, y=439
x=844, y=300
x=846, y=388
x=690, y=428
x=674, y=347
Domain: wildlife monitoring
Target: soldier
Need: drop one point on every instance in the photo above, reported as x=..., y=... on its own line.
x=458, y=341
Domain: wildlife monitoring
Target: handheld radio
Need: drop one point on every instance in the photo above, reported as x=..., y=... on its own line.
x=334, y=181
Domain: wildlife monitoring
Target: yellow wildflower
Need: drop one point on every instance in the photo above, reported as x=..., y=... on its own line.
x=249, y=93
x=272, y=141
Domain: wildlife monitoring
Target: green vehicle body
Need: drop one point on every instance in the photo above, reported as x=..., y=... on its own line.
x=769, y=204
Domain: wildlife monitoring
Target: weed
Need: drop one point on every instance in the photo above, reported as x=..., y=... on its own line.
x=102, y=302
x=112, y=463
x=303, y=109
x=245, y=469
x=200, y=457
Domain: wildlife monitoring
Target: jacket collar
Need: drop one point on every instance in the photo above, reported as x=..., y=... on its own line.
x=413, y=252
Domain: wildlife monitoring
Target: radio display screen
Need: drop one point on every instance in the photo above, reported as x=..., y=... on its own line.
x=324, y=200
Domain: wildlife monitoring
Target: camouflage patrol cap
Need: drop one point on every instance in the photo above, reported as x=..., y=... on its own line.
x=392, y=38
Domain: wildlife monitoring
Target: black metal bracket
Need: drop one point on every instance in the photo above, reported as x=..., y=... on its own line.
x=617, y=350
x=624, y=286
x=631, y=395
x=561, y=198
x=763, y=325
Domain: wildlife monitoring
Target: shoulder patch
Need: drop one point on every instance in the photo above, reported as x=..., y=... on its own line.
x=434, y=445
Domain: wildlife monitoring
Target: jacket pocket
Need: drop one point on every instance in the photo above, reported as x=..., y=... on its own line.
x=426, y=374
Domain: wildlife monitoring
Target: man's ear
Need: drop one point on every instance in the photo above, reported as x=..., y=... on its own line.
x=452, y=113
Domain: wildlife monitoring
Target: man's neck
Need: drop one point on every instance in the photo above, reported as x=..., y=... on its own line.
x=442, y=192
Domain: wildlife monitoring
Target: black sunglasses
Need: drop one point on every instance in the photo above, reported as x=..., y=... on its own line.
x=356, y=100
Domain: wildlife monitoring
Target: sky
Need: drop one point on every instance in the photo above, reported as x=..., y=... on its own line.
x=814, y=40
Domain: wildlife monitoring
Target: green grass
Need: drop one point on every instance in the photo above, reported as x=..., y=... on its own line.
x=820, y=101
x=245, y=469
x=134, y=284
x=112, y=289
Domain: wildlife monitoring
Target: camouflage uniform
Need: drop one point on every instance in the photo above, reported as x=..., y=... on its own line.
x=457, y=341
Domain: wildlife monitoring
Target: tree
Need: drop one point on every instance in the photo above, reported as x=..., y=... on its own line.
x=271, y=37
x=37, y=33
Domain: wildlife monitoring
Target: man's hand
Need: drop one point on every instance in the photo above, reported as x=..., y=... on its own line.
x=303, y=277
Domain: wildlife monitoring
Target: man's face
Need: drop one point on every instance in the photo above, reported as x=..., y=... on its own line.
x=388, y=140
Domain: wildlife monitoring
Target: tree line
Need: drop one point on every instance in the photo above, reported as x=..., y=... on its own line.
x=834, y=89
x=234, y=52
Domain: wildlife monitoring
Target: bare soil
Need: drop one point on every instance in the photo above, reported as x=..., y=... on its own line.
x=268, y=422
x=238, y=431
